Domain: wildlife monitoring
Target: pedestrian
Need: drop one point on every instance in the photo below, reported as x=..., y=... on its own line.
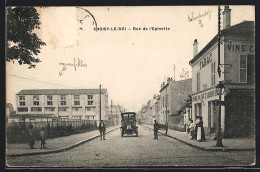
x=43, y=138
x=155, y=129
x=102, y=130
x=192, y=130
x=196, y=127
x=31, y=137
x=200, y=130
x=188, y=126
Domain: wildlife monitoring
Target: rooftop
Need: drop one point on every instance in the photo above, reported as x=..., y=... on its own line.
x=61, y=91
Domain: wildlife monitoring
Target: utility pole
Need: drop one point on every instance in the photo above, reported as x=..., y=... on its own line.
x=219, y=132
x=100, y=103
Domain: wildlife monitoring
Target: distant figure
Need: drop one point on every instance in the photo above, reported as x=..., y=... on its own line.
x=188, y=126
x=192, y=130
x=155, y=129
x=42, y=137
x=31, y=137
x=102, y=130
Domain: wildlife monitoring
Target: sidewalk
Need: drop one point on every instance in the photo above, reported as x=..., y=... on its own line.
x=54, y=145
x=209, y=144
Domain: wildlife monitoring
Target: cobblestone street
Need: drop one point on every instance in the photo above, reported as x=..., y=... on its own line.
x=135, y=151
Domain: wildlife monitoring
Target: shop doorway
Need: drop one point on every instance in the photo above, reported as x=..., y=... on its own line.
x=213, y=116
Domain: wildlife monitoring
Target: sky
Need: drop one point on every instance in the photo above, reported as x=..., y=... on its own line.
x=131, y=64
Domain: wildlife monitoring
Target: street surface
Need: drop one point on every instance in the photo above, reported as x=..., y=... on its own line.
x=132, y=151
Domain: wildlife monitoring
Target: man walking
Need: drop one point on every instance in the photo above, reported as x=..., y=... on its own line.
x=155, y=129
x=102, y=130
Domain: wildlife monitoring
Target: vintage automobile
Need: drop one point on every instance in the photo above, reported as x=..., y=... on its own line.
x=128, y=124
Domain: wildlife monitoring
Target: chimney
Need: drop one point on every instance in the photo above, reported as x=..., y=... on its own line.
x=226, y=17
x=195, y=48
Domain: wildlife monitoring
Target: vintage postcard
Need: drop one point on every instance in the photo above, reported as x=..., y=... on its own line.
x=130, y=86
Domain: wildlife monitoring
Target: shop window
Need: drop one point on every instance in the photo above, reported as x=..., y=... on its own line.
x=243, y=69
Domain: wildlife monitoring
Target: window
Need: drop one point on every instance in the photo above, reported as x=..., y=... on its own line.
x=90, y=102
x=35, y=97
x=49, y=97
x=36, y=103
x=213, y=71
x=163, y=101
x=87, y=117
x=49, y=103
x=198, y=82
x=90, y=109
x=50, y=109
x=63, y=97
x=166, y=100
x=243, y=69
x=76, y=109
x=36, y=109
x=36, y=100
x=62, y=109
x=24, y=109
x=76, y=103
x=22, y=97
x=205, y=86
x=63, y=102
x=76, y=97
x=22, y=103
x=90, y=96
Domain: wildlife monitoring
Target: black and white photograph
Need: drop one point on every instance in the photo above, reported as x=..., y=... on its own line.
x=130, y=86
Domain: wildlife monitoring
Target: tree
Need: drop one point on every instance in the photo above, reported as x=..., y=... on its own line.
x=22, y=43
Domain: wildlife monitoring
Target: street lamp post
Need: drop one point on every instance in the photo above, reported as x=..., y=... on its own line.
x=219, y=88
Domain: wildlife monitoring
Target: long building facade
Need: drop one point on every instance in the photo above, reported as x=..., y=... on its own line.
x=237, y=61
x=63, y=103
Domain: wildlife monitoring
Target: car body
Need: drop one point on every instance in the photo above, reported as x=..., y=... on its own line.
x=128, y=124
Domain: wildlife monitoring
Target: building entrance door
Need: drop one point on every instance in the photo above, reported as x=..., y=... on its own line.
x=212, y=116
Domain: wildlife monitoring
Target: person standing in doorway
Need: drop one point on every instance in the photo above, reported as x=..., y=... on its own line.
x=155, y=129
x=102, y=130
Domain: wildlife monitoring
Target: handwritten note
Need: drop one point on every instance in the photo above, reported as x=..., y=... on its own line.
x=77, y=63
x=199, y=16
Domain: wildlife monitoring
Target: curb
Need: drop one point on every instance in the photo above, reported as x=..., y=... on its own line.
x=202, y=148
x=59, y=149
